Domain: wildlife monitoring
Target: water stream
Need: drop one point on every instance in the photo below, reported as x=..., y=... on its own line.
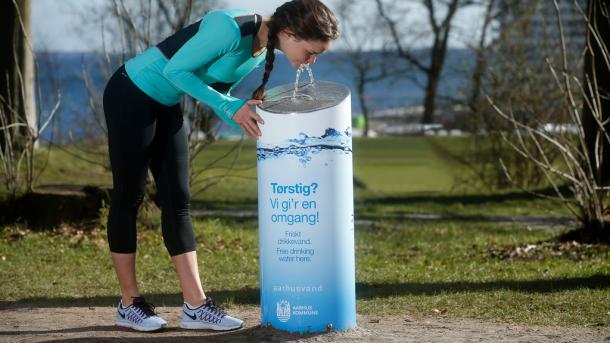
x=298, y=77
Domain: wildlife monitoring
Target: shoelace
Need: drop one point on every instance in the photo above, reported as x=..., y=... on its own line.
x=147, y=309
x=215, y=309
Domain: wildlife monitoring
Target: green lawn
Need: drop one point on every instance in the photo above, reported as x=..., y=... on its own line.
x=388, y=166
x=423, y=268
x=399, y=174
x=393, y=174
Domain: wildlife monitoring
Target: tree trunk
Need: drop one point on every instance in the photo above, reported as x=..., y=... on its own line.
x=597, y=71
x=481, y=62
x=16, y=68
x=439, y=50
x=434, y=75
x=430, y=98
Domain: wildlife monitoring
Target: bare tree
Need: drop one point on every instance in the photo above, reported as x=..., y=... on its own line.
x=19, y=131
x=142, y=24
x=481, y=56
x=359, y=33
x=580, y=166
x=16, y=68
x=480, y=157
x=440, y=29
x=597, y=100
x=136, y=26
x=511, y=69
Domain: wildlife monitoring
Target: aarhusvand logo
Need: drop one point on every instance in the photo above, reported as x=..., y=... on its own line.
x=283, y=311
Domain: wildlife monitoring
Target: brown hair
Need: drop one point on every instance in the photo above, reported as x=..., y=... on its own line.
x=307, y=19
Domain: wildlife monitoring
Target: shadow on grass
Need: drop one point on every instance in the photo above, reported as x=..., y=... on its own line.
x=466, y=199
x=71, y=208
x=367, y=208
x=256, y=333
x=241, y=204
x=364, y=291
x=407, y=199
x=244, y=296
x=382, y=290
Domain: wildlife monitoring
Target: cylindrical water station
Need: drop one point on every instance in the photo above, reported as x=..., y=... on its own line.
x=306, y=209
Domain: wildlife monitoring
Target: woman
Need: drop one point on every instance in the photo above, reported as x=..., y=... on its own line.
x=145, y=129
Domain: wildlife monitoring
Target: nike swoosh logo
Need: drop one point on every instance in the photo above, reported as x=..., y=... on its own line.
x=121, y=314
x=193, y=317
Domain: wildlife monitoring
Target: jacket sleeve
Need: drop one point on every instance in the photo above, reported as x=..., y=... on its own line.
x=242, y=78
x=217, y=35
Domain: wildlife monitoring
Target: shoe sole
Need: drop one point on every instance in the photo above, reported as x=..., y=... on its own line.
x=138, y=327
x=206, y=326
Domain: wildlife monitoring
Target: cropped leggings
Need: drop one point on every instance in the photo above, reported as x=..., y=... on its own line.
x=143, y=133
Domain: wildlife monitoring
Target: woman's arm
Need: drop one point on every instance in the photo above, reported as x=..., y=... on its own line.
x=218, y=35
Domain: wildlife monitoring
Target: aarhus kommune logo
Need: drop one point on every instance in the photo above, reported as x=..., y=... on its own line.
x=283, y=311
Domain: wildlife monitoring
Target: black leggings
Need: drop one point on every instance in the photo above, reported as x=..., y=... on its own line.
x=143, y=133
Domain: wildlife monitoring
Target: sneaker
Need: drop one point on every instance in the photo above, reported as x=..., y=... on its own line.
x=208, y=316
x=139, y=316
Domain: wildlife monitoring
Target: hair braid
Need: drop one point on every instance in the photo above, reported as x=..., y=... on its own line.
x=259, y=93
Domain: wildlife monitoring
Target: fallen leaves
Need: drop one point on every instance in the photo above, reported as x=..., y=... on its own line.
x=542, y=250
x=440, y=312
x=15, y=235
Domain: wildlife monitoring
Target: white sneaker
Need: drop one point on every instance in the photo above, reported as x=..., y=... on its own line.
x=139, y=316
x=208, y=316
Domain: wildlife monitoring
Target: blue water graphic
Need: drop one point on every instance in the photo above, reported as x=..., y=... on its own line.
x=306, y=146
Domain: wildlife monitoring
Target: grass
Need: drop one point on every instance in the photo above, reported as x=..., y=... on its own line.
x=422, y=269
x=399, y=175
x=446, y=267
x=387, y=166
x=433, y=268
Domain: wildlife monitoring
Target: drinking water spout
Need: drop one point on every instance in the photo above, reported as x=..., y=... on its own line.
x=298, y=77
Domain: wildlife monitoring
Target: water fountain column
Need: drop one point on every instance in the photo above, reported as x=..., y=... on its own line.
x=305, y=206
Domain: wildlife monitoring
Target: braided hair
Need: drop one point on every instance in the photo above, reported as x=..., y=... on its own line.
x=307, y=19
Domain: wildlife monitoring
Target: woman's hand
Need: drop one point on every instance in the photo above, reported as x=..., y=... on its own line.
x=248, y=120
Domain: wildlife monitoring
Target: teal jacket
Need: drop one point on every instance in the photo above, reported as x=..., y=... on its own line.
x=205, y=60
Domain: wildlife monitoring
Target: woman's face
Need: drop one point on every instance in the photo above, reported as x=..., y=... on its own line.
x=300, y=51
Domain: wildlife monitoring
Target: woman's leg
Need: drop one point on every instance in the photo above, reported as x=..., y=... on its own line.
x=130, y=119
x=125, y=267
x=170, y=167
x=188, y=273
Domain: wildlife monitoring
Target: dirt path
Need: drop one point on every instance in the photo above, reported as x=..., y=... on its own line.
x=95, y=324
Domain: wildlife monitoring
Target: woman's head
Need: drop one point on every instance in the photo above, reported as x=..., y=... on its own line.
x=302, y=29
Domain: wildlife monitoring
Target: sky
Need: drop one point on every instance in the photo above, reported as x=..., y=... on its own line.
x=55, y=23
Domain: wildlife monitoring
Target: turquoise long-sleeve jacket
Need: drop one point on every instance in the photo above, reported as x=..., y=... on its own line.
x=205, y=60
